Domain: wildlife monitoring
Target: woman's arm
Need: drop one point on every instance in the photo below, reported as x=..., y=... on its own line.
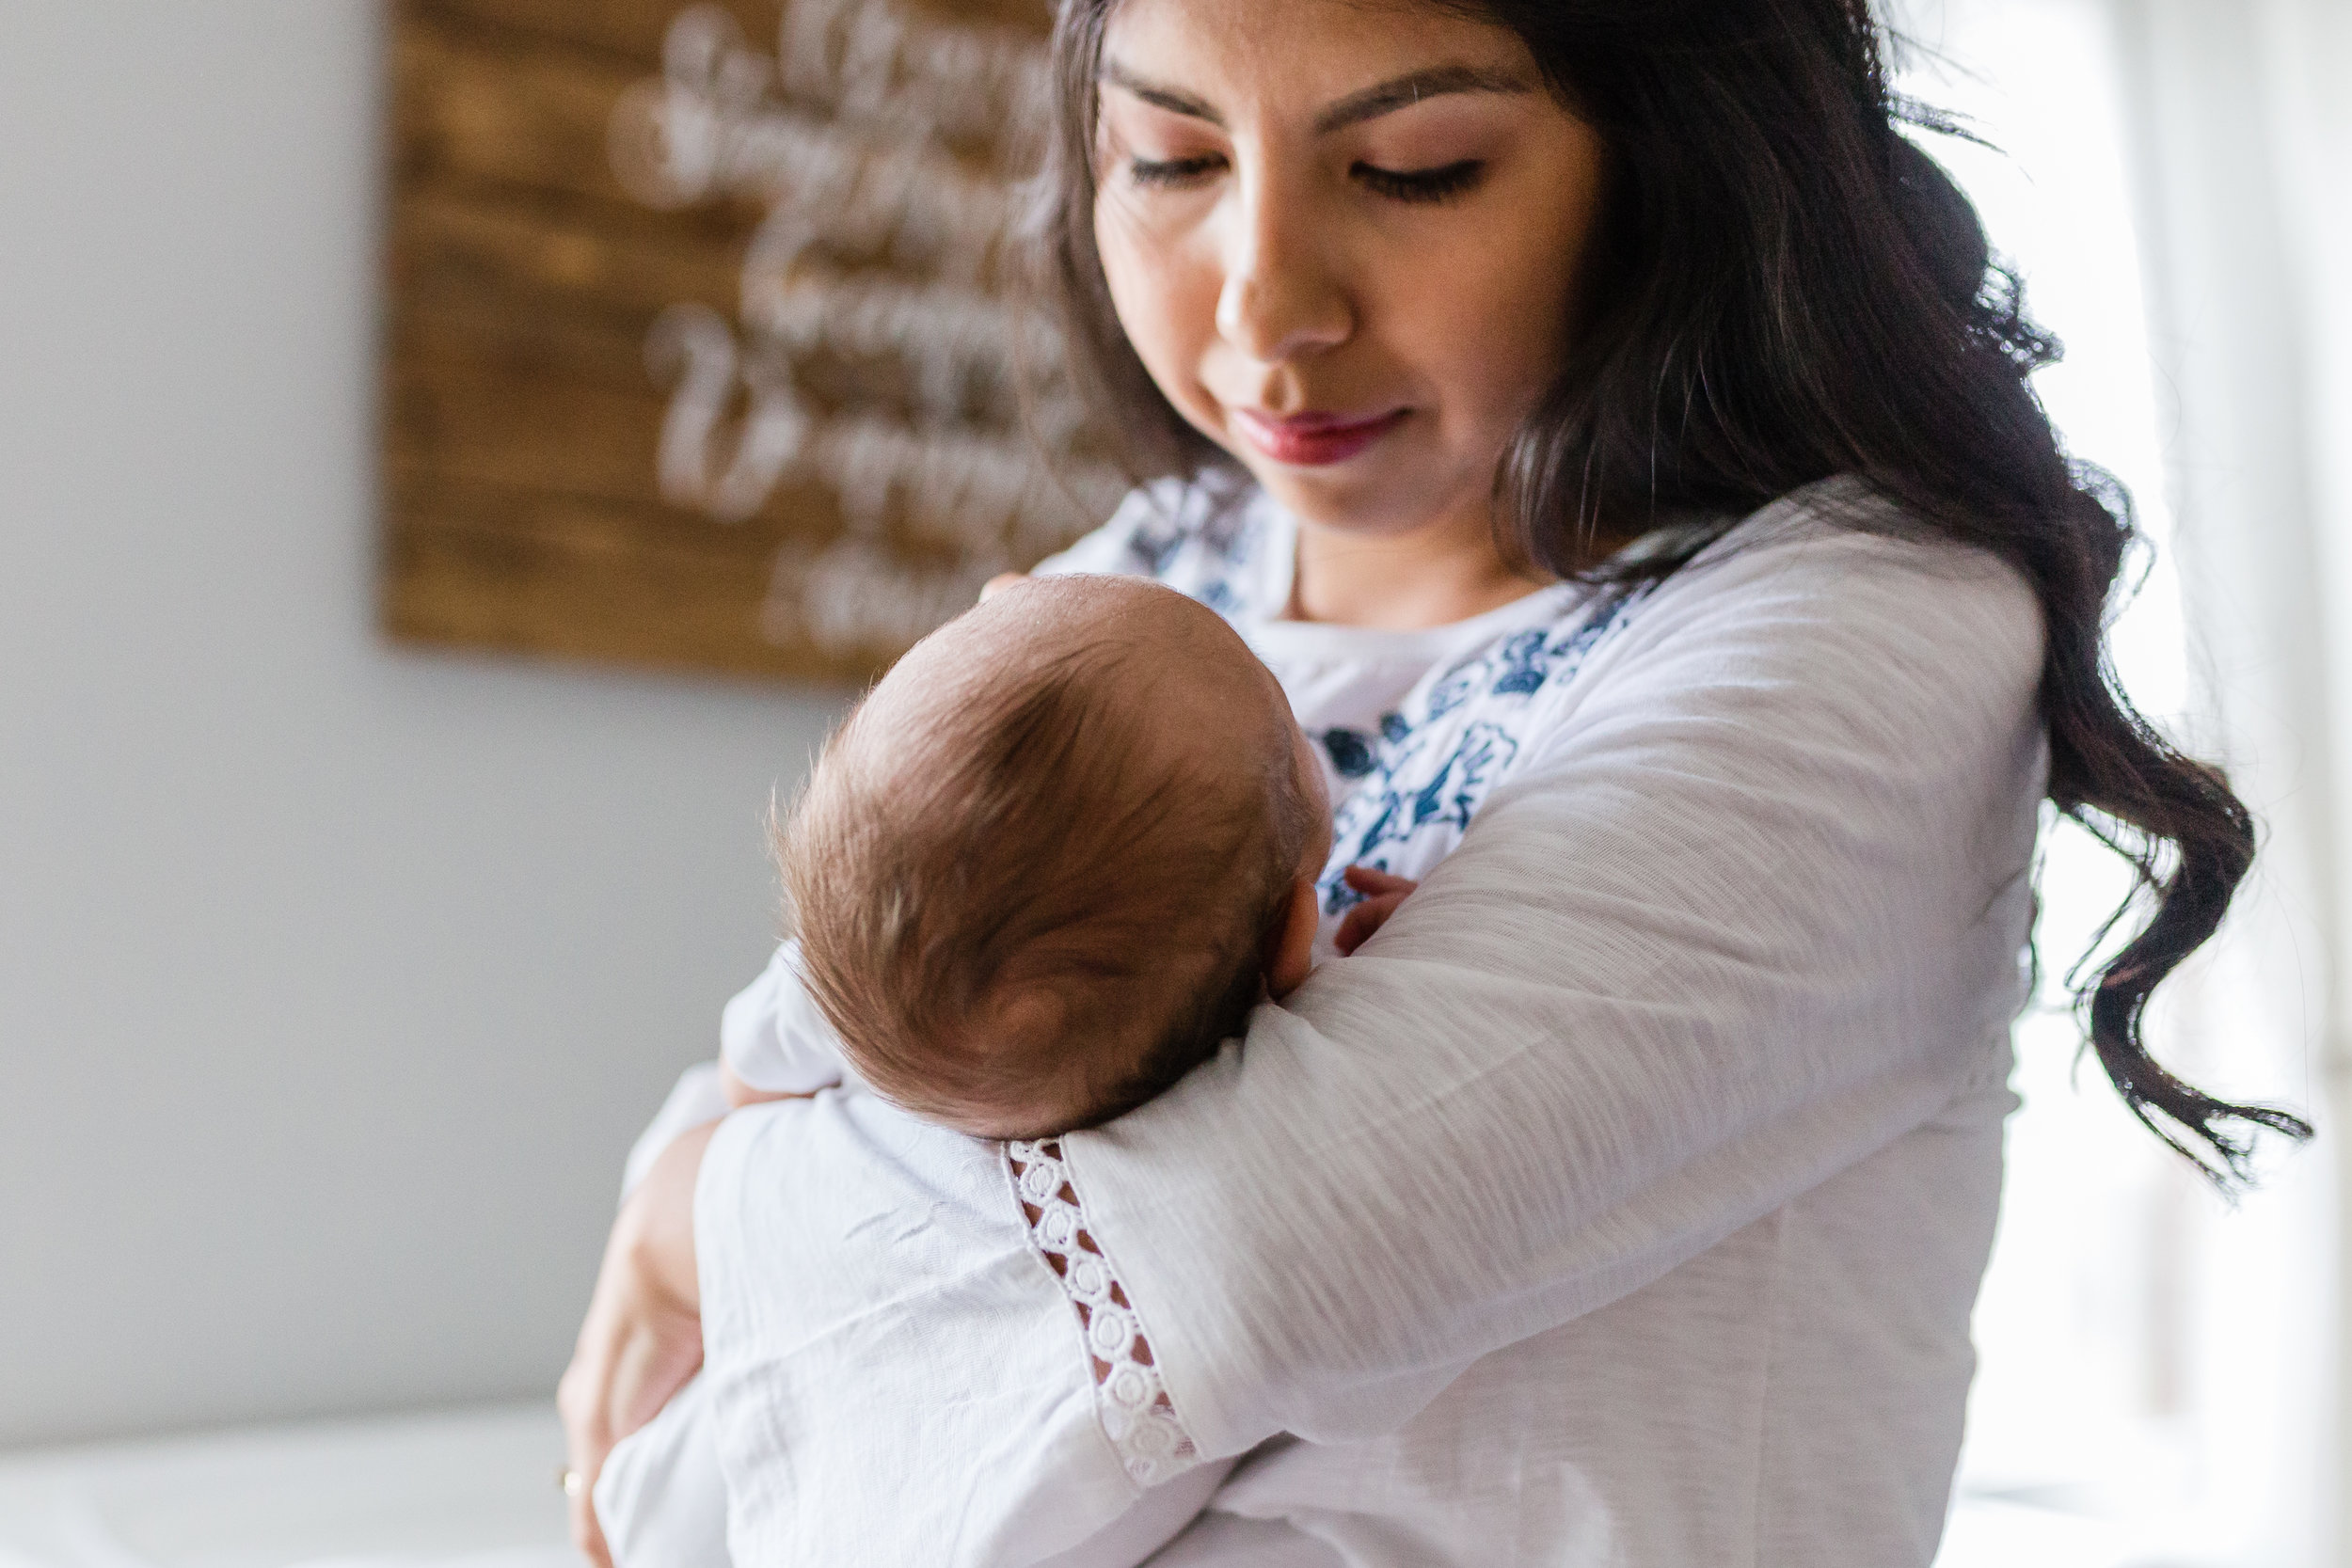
x=642, y=1336
x=1752, y=911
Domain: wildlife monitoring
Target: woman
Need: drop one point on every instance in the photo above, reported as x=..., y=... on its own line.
x=1625, y=1199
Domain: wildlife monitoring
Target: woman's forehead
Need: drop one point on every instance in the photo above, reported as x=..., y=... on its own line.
x=1329, y=60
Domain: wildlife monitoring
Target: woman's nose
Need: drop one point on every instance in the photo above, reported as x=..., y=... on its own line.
x=1282, y=299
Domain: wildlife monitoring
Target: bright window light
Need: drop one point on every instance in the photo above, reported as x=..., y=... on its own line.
x=2080, y=1451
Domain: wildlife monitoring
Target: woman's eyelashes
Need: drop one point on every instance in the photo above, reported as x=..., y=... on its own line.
x=1173, y=171
x=1442, y=183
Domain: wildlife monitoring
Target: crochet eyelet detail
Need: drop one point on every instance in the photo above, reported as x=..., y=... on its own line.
x=1129, y=1399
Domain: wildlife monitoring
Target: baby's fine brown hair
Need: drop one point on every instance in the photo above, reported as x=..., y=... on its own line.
x=1035, y=874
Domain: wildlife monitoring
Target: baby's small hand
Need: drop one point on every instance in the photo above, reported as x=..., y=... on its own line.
x=1382, y=894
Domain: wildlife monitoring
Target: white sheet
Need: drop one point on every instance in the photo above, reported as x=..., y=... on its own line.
x=466, y=1489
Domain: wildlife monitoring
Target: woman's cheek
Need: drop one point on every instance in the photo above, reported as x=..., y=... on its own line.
x=1164, y=301
x=1501, y=328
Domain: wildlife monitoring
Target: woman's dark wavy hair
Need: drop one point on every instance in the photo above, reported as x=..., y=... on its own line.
x=1785, y=288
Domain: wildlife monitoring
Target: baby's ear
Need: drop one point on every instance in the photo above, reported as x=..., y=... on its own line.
x=1290, y=953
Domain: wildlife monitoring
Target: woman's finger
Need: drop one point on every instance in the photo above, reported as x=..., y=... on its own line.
x=641, y=1338
x=587, y=1439
x=587, y=1396
x=587, y=1534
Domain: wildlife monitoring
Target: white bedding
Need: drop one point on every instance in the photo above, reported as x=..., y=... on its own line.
x=475, y=1489
x=470, y=1489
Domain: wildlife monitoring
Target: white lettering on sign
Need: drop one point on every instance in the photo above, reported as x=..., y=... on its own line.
x=878, y=351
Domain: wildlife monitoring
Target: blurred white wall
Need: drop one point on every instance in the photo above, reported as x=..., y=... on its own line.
x=333, y=978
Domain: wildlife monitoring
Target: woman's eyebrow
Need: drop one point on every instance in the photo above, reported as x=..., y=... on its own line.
x=1158, y=95
x=1404, y=91
x=1400, y=92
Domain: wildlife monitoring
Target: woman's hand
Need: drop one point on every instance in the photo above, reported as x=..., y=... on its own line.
x=643, y=1339
x=1382, y=894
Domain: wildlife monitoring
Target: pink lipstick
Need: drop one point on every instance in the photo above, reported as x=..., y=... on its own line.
x=1315, y=440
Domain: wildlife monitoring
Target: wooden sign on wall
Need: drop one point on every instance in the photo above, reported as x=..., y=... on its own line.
x=704, y=326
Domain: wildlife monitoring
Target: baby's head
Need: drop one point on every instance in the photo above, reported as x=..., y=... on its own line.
x=1055, y=856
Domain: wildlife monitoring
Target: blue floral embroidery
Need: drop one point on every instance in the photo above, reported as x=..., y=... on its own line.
x=1202, y=554
x=1152, y=550
x=1450, y=797
x=1453, y=691
x=1233, y=534
x=1526, y=662
x=1418, y=781
x=1350, y=752
x=1579, y=642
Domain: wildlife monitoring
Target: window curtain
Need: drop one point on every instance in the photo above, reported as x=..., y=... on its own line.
x=2166, y=1379
x=2239, y=136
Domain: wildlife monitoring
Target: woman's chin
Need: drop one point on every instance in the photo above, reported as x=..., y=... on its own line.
x=1344, y=497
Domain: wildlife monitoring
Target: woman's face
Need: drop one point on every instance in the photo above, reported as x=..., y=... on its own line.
x=1343, y=236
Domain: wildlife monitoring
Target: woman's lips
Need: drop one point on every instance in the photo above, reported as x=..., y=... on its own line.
x=1315, y=440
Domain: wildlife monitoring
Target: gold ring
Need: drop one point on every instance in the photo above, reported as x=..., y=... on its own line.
x=568, y=1478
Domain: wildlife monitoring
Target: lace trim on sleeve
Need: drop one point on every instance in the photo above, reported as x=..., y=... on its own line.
x=1129, y=1399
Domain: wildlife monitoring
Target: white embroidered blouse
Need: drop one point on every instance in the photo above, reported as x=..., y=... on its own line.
x=1621, y=1202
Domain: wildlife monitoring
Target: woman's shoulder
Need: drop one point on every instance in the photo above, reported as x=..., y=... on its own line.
x=1833, y=618
x=1817, y=619
x=1831, y=582
x=1214, y=537
x=1839, y=575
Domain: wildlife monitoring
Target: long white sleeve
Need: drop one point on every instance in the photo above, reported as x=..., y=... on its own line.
x=1743, y=915
x=1756, y=910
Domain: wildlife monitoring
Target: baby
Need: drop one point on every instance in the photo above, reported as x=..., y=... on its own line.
x=1049, y=863
x=1046, y=868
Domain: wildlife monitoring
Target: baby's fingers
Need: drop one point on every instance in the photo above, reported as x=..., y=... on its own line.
x=1358, y=923
x=1370, y=879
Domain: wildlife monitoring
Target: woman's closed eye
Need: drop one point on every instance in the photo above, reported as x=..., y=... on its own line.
x=1442, y=183
x=1173, y=171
